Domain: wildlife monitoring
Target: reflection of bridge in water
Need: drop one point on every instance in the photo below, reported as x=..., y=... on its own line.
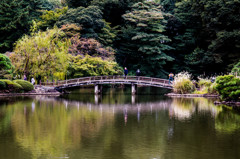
x=175, y=107
x=100, y=80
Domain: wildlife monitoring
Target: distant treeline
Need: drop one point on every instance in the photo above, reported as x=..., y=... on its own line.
x=157, y=37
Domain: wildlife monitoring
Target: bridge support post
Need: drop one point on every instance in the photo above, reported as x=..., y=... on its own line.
x=133, y=99
x=96, y=89
x=96, y=97
x=134, y=90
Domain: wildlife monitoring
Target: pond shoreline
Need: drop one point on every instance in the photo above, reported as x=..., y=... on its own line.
x=192, y=95
x=28, y=94
x=230, y=103
x=38, y=90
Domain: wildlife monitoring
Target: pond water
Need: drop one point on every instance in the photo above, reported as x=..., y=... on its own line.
x=117, y=125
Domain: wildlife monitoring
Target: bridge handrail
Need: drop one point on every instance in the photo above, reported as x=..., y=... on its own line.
x=101, y=78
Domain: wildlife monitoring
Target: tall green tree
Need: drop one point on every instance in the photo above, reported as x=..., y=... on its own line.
x=147, y=24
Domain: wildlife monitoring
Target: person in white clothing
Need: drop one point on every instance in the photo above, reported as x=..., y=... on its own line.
x=33, y=81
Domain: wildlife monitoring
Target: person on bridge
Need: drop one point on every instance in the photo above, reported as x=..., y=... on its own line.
x=125, y=72
x=138, y=73
x=171, y=75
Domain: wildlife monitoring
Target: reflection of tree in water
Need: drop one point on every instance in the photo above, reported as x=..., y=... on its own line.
x=51, y=129
x=47, y=127
x=183, y=108
x=227, y=121
x=207, y=105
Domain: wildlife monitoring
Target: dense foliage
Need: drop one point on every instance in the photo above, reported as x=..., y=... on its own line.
x=2, y=85
x=182, y=83
x=15, y=86
x=16, y=19
x=206, y=35
x=6, y=67
x=157, y=37
x=89, y=18
x=27, y=86
x=228, y=87
x=147, y=24
x=86, y=66
x=12, y=86
x=44, y=54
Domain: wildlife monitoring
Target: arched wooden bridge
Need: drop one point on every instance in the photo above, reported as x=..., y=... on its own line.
x=99, y=80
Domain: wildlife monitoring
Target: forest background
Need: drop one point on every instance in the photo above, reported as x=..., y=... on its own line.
x=59, y=39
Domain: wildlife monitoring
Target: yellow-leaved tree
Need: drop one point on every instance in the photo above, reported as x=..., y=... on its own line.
x=43, y=55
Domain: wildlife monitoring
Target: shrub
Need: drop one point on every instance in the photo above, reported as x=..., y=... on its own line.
x=212, y=89
x=206, y=86
x=2, y=85
x=182, y=83
x=27, y=86
x=8, y=82
x=202, y=91
x=204, y=82
x=17, y=87
x=14, y=87
x=228, y=87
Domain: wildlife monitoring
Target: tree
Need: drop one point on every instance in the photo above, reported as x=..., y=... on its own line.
x=198, y=61
x=42, y=55
x=82, y=66
x=113, y=10
x=6, y=67
x=89, y=58
x=147, y=24
x=108, y=34
x=236, y=69
x=228, y=87
x=49, y=18
x=78, y=3
x=16, y=19
x=211, y=26
x=83, y=46
x=90, y=19
x=168, y=5
x=71, y=30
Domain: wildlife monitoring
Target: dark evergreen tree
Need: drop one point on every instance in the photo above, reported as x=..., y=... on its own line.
x=146, y=25
x=113, y=10
x=78, y=3
x=90, y=19
x=211, y=26
x=16, y=19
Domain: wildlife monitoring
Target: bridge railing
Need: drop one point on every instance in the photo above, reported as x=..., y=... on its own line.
x=107, y=78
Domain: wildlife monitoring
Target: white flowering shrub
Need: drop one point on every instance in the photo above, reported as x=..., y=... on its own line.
x=182, y=83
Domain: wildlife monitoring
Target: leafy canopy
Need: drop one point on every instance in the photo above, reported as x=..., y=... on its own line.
x=16, y=19
x=42, y=55
x=90, y=19
x=81, y=66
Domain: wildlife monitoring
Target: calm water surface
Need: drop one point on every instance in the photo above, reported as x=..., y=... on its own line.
x=117, y=125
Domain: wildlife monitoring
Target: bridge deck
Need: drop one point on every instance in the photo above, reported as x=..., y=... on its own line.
x=138, y=80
